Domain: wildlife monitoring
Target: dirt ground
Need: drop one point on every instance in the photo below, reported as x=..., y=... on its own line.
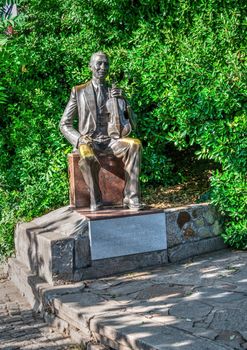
x=194, y=188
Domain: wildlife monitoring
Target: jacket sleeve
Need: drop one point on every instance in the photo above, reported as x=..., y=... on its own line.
x=66, y=123
x=131, y=116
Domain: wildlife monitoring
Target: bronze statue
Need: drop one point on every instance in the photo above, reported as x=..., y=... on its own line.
x=105, y=120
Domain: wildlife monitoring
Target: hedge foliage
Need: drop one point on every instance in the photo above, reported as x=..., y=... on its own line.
x=180, y=62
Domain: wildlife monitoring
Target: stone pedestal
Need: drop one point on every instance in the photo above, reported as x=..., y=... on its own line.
x=69, y=245
x=111, y=180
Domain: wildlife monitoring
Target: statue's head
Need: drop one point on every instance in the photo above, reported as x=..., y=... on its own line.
x=99, y=65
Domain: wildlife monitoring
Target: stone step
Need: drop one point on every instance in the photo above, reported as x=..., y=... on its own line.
x=156, y=309
x=59, y=255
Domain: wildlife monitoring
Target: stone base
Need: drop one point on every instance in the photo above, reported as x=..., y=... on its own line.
x=66, y=245
x=73, y=245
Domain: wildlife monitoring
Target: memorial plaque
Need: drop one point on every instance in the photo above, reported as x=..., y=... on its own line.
x=126, y=236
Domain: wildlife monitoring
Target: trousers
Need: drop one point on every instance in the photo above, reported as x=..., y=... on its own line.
x=128, y=149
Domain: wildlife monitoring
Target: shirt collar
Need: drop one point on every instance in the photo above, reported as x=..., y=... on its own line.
x=96, y=83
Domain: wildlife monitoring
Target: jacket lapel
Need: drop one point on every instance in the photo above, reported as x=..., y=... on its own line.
x=90, y=99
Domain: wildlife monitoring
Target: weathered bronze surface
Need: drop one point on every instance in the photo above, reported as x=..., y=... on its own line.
x=104, y=121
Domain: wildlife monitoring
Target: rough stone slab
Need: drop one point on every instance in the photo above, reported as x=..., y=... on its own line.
x=127, y=236
x=70, y=222
x=230, y=319
x=191, y=223
x=184, y=310
x=190, y=249
x=56, y=257
x=140, y=333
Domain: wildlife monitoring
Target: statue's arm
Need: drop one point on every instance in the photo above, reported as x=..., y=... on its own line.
x=66, y=123
x=131, y=116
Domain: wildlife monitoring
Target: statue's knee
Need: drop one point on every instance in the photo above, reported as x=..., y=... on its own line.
x=86, y=152
x=133, y=142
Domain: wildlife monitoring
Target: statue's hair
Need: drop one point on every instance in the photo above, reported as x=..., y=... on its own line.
x=99, y=53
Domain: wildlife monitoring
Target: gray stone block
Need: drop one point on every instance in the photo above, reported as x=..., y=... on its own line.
x=107, y=267
x=56, y=257
x=82, y=251
x=55, y=245
x=210, y=215
x=199, y=222
x=190, y=249
x=204, y=232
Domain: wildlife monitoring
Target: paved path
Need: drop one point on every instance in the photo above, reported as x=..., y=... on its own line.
x=198, y=305
x=20, y=328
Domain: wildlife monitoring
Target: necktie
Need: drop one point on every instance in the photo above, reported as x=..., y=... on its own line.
x=100, y=96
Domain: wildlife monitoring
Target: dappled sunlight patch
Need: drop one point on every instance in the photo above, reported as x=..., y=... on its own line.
x=243, y=281
x=181, y=344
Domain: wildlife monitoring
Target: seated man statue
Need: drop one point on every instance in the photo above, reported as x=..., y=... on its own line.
x=104, y=121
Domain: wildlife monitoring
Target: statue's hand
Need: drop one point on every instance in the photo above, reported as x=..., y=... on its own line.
x=116, y=92
x=85, y=140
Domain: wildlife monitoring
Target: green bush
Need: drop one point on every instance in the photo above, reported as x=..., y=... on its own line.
x=229, y=194
x=181, y=63
x=228, y=145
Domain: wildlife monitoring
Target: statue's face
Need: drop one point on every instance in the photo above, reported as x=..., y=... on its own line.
x=100, y=67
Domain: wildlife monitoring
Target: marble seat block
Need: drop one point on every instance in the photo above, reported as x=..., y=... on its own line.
x=111, y=180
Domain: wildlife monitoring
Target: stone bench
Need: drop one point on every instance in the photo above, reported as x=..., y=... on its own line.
x=111, y=180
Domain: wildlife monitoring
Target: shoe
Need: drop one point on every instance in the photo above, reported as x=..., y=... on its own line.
x=97, y=206
x=133, y=205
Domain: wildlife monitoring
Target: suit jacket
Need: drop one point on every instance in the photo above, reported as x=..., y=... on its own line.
x=82, y=102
